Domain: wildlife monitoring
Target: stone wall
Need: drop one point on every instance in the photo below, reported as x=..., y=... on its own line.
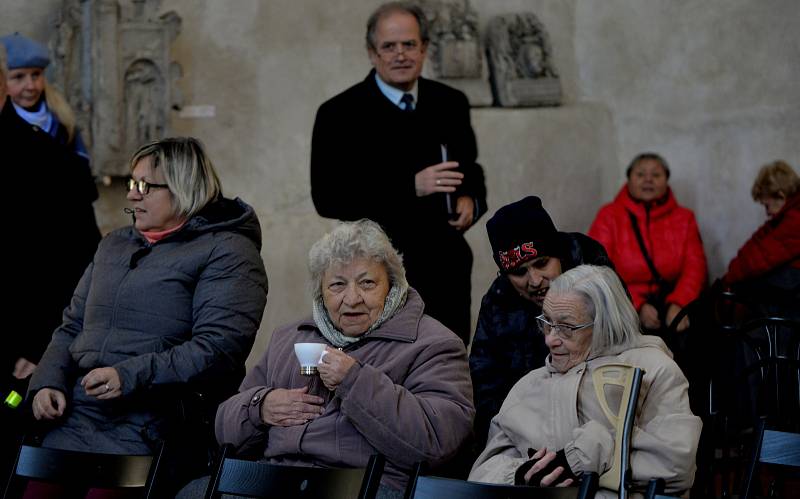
x=711, y=85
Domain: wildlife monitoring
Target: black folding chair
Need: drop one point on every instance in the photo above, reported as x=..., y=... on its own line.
x=432, y=487
x=253, y=479
x=83, y=469
x=655, y=490
x=771, y=447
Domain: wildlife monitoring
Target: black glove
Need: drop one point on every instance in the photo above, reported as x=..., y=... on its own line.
x=536, y=479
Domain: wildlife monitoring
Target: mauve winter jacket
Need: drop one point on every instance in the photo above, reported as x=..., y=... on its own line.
x=408, y=397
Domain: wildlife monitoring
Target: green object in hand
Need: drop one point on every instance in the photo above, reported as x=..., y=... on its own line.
x=13, y=399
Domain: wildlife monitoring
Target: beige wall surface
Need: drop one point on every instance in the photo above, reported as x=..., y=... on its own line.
x=711, y=85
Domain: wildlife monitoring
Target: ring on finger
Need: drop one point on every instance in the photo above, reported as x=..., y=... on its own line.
x=438, y=181
x=108, y=388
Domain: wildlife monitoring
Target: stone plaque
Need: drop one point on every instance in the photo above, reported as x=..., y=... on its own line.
x=521, y=62
x=455, y=53
x=112, y=60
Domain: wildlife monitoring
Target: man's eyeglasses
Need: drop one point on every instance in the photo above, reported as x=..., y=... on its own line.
x=408, y=47
x=144, y=187
x=563, y=331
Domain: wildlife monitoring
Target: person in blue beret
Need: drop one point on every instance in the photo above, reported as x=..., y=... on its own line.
x=55, y=236
x=34, y=100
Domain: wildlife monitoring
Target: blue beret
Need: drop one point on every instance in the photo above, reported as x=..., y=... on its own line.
x=24, y=52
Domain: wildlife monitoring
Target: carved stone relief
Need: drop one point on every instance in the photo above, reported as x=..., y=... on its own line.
x=455, y=54
x=521, y=62
x=112, y=60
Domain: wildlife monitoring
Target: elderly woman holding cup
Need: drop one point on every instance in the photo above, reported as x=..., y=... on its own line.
x=391, y=380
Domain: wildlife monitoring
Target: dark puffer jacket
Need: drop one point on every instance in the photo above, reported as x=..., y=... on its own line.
x=175, y=315
x=507, y=345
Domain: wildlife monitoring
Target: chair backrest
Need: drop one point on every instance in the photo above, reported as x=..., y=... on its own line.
x=85, y=469
x=253, y=479
x=629, y=378
x=432, y=487
x=771, y=447
x=775, y=342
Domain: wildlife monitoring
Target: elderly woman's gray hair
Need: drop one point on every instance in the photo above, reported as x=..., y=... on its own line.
x=349, y=241
x=187, y=169
x=616, y=323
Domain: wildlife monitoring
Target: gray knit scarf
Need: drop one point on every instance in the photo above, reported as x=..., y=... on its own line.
x=394, y=302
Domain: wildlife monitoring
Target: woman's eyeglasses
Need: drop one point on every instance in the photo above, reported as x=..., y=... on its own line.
x=563, y=331
x=144, y=187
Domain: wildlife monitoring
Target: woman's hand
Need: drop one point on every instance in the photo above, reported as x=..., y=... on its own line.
x=673, y=312
x=648, y=315
x=282, y=407
x=103, y=383
x=49, y=403
x=23, y=368
x=545, y=457
x=333, y=367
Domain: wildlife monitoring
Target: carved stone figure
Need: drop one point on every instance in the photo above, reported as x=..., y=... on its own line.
x=455, y=54
x=520, y=62
x=111, y=59
x=454, y=50
x=144, y=89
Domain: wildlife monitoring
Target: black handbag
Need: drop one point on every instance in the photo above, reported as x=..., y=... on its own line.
x=664, y=287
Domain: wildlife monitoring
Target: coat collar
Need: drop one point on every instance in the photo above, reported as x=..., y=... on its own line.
x=658, y=209
x=403, y=326
x=375, y=92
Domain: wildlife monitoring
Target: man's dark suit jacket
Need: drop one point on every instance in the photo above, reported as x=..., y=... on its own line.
x=365, y=152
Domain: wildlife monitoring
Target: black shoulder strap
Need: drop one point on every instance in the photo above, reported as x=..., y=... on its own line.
x=646, y=255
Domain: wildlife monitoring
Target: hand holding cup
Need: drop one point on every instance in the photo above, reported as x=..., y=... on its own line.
x=334, y=366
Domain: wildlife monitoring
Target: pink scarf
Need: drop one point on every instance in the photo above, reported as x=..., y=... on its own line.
x=153, y=236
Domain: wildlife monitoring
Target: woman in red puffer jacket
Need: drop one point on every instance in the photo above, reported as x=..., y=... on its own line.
x=769, y=262
x=669, y=234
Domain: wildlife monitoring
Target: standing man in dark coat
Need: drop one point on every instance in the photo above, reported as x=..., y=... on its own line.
x=530, y=253
x=400, y=150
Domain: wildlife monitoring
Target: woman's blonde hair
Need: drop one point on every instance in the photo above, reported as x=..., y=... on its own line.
x=58, y=105
x=774, y=179
x=3, y=63
x=188, y=171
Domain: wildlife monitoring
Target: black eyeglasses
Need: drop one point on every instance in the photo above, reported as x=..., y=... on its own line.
x=144, y=187
x=563, y=331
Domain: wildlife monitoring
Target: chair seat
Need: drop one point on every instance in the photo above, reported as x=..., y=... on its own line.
x=92, y=470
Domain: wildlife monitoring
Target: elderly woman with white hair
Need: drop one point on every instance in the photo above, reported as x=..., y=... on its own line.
x=393, y=380
x=551, y=428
